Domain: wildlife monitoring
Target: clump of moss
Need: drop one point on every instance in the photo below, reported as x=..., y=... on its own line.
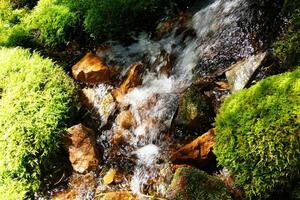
x=12, y=31
x=119, y=18
x=258, y=135
x=193, y=184
x=52, y=22
x=36, y=104
x=194, y=111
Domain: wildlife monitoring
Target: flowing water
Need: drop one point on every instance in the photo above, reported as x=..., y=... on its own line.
x=209, y=41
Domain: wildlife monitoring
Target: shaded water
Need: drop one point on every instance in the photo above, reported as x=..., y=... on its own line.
x=209, y=41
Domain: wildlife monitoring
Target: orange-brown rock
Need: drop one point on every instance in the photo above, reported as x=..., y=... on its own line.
x=119, y=195
x=87, y=97
x=133, y=80
x=81, y=144
x=79, y=186
x=198, y=152
x=125, y=120
x=91, y=70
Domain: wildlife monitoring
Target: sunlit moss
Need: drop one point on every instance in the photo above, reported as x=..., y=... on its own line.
x=258, y=135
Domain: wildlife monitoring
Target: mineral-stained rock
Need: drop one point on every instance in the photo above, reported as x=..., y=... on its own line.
x=133, y=79
x=91, y=70
x=198, y=152
x=191, y=183
x=81, y=144
x=119, y=195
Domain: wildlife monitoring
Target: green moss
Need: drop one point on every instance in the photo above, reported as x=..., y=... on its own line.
x=12, y=31
x=36, y=101
x=258, y=135
x=194, y=111
x=118, y=18
x=193, y=184
x=52, y=22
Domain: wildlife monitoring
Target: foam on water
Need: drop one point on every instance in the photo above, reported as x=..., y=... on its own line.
x=154, y=103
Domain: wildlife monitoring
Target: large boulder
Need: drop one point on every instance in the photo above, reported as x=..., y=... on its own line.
x=81, y=144
x=198, y=152
x=91, y=70
x=194, y=111
x=193, y=184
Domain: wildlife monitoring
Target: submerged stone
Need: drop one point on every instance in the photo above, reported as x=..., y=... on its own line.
x=79, y=187
x=194, y=184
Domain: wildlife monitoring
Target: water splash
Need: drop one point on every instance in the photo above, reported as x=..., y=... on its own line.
x=212, y=41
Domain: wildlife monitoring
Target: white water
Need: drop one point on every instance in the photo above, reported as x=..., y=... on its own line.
x=154, y=103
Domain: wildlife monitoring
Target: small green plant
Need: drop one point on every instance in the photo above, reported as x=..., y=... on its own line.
x=36, y=103
x=258, y=135
x=193, y=184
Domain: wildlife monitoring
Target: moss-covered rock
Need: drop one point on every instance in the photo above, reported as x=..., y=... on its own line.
x=258, y=135
x=287, y=47
x=36, y=103
x=194, y=111
x=193, y=184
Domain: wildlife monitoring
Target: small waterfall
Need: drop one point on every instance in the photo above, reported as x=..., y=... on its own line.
x=211, y=40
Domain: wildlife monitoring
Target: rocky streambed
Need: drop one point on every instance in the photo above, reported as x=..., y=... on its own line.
x=148, y=108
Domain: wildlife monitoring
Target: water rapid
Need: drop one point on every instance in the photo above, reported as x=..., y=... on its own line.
x=209, y=41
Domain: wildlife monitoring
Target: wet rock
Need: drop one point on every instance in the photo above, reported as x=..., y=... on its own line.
x=134, y=78
x=194, y=111
x=99, y=101
x=198, y=153
x=241, y=74
x=81, y=145
x=87, y=97
x=79, y=187
x=191, y=183
x=91, y=70
x=119, y=195
x=125, y=120
x=165, y=27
